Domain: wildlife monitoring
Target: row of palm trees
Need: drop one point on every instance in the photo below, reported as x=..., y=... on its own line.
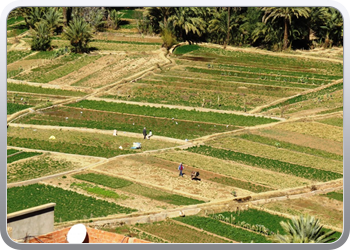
x=272, y=27
x=276, y=28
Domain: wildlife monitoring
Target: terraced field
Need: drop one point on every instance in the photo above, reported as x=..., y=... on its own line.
x=262, y=129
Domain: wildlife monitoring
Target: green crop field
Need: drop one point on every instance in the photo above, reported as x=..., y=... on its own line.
x=256, y=115
x=69, y=205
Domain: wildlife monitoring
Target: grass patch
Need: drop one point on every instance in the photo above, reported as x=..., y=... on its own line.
x=105, y=180
x=21, y=156
x=12, y=151
x=336, y=121
x=69, y=205
x=331, y=110
x=334, y=195
x=15, y=55
x=101, y=192
x=15, y=107
x=185, y=49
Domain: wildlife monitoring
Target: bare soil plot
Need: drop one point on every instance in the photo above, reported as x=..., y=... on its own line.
x=302, y=139
x=207, y=176
x=320, y=130
x=145, y=172
x=329, y=211
x=113, y=69
x=272, y=152
x=310, y=107
x=109, y=36
x=27, y=64
x=254, y=175
x=176, y=233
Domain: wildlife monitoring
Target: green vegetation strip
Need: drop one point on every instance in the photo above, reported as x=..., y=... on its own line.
x=14, y=20
x=290, y=146
x=185, y=49
x=335, y=195
x=69, y=205
x=336, y=121
x=271, y=61
x=253, y=219
x=219, y=228
x=331, y=110
x=40, y=90
x=15, y=107
x=101, y=192
x=128, y=186
x=230, y=119
x=319, y=95
x=65, y=147
x=265, y=163
x=21, y=156
x=15, y=55
x=12, y=151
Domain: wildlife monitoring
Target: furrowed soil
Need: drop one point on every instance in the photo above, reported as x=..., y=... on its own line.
x=302, y=139
x=147, y=173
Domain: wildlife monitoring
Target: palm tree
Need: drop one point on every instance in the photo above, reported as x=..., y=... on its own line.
x=287, y=14
x=41, y=36
x=159, y=16
x=304, y=230
x=333, y=27
x=34, y=15
x=116, y=18
x=54, y=18
x=249, y=20
x=219, y=26
x=79, y=34
x=188, y=22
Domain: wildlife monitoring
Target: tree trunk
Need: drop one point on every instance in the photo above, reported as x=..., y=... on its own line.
x=285, y=38
x=228, y=27
x=64, y=10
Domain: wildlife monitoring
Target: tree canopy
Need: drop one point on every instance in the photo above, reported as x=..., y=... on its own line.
x=274, y=28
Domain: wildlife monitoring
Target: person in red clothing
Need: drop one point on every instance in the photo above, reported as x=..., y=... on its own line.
x=181, y=167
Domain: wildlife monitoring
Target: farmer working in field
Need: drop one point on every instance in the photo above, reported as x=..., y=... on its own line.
x=149, y=135
x=181, y=167
x=144, y=132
